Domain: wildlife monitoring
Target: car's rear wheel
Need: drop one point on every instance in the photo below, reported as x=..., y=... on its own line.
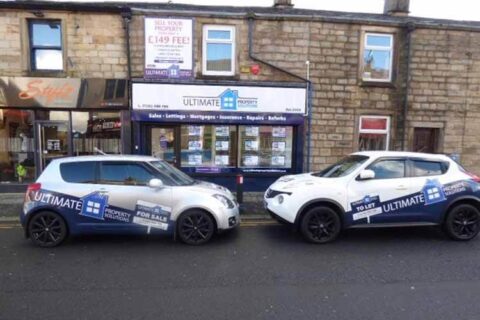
x=47, y=229
x=463, y=222
x=195, y=227
x=320, y=225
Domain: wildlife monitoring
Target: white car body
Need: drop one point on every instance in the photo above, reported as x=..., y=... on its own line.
x=376, y=202
x=146, y=207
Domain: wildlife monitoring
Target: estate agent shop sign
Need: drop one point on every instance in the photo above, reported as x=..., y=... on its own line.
x=217, y=104
x=168, y=48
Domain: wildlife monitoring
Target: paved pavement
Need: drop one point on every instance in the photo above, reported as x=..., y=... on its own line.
x=258, y=272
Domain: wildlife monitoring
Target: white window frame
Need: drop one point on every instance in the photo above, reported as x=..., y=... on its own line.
x=378, y=48
x=376, y=131
x=206, y=40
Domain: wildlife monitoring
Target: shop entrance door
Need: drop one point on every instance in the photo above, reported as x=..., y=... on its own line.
x=162, y=143
x=53, y=141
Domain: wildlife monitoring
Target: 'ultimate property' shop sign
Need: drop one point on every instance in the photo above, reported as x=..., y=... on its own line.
x=179, y=97
x=168, y=48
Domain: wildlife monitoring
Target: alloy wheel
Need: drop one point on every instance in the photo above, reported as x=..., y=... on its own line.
x=195, y=227
x=320, y=225
x=466, y=223
x=47, y=229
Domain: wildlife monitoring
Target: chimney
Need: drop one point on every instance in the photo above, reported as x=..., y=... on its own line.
x=282, y=4
x=399, y=8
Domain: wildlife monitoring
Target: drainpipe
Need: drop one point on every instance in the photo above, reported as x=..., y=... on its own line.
x=410, y=29
x=251, y=25
x=127, y=17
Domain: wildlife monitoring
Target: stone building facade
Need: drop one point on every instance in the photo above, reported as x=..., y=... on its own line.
x=428, y=101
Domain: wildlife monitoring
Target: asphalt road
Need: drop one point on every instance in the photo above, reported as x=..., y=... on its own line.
x=263, y=272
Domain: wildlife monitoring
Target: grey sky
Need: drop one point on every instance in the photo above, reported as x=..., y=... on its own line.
x=447, y=9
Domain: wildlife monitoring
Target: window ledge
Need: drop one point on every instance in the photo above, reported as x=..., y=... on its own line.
x=219, y=77
x=48, y=74
x=380, y=84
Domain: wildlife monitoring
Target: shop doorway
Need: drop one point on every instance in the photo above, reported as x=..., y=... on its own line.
x=425, y=140
x=162, y=143
x=53, y=141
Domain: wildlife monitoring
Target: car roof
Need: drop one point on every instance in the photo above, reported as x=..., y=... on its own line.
x=107, y=157
x=406, y=154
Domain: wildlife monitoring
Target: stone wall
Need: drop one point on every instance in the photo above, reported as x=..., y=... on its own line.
x=94, y=44
x=444, y=91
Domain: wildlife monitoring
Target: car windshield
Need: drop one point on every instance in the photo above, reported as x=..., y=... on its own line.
x=170, y=175
x=342, y=168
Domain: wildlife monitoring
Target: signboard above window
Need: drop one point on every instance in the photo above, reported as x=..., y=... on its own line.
x=65, y=93
x=216, y=103
x=168, y=48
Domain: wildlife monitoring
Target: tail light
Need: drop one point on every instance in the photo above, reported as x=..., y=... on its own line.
x=31, y=190
x=474, y=177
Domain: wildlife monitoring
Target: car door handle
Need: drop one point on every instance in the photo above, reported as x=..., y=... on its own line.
x=401, y=187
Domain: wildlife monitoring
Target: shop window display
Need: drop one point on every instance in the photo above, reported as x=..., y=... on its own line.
x=265, y=147
x=100, y=130
x=208, y=146
x=17, y=163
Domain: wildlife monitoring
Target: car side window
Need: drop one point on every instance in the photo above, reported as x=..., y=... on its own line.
x=423, y=168
x=78, y=172
x=389, y=169
x=124, y=173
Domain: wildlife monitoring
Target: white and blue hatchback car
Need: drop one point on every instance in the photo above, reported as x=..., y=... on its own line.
x=123, y=194
x=379, y=189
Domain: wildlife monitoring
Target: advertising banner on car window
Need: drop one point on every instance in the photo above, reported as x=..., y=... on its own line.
x=168, y=48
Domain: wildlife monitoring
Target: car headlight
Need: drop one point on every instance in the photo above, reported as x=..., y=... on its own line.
x=226, y=202
x=280, y=199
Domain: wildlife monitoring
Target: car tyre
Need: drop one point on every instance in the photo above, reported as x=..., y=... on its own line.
x=463, y=222
x=195, y=227
x=47, y=229
x=320, y=225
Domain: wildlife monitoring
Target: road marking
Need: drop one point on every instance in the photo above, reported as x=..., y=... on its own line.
x=10, y=225
x=258, y=223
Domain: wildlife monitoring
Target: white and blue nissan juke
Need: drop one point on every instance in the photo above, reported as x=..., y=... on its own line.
x=379, y=189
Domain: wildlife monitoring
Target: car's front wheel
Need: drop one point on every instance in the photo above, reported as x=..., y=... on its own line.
x=47, y=229
x=320, y=225
x=195, y=227
x=463, y=222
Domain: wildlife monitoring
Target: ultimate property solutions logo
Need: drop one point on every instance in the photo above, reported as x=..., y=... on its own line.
x=228, y=100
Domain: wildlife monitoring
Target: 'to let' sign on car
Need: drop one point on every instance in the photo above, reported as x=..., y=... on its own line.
x=379, y=189
x=123, y=194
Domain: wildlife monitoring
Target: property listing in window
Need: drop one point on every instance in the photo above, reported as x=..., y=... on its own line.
x=377, y=57
x=208, y=146
x=265, y=147
x=374, y=133
x=218, y=50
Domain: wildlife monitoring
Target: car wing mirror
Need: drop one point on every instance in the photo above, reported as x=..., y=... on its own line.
x=155, y=183
x=366, y=174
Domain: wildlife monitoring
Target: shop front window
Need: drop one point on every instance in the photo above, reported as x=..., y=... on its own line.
x=96, y=130
x=17, y=153
x=208, y=145
x=373, y=133
x=265, y=147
